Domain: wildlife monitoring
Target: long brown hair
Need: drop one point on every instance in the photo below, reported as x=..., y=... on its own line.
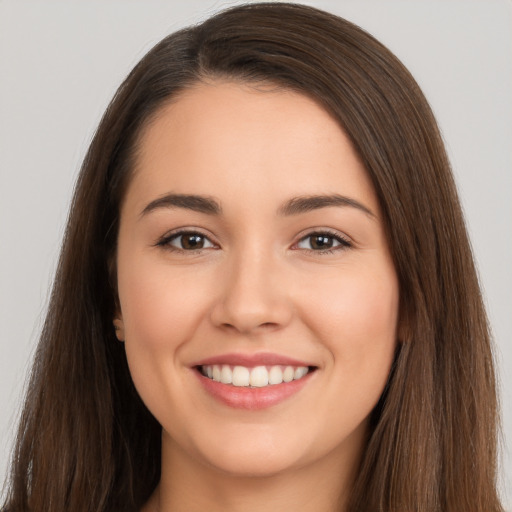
x=86, y=441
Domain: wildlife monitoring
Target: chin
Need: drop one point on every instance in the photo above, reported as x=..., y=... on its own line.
x=256, y=454
x=254, y=465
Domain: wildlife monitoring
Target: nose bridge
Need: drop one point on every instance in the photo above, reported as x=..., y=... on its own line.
x=252, y=295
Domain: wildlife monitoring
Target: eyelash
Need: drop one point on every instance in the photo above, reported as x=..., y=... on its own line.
x=344, y=243
x=165, y=241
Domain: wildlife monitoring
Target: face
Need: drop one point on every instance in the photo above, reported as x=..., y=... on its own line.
x=258, y=298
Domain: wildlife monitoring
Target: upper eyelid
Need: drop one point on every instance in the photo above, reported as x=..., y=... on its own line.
x=301, y=236
x=324, y=231
x=187, y=230
x=164, y=241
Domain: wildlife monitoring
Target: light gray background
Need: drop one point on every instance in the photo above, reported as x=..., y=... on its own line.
x=61, y=61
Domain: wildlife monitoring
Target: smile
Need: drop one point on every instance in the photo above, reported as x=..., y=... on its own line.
x=253, y=382
x=256, y=377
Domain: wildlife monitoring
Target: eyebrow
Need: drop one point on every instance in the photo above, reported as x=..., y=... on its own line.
x=304, y=204
x=295, y=206
x=201, y=204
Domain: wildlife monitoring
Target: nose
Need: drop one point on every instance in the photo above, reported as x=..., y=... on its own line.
x=254, y=296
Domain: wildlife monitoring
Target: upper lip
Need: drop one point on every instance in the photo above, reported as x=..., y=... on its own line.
x=251, y=360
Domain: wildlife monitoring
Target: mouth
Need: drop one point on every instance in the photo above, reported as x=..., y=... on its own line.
x=253, y=382
x=254, y=377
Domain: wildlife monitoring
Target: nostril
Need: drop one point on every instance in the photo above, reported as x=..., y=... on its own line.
x=269, y=325
x=248, y=327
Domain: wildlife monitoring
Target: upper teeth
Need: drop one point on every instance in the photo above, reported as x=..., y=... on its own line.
x=257, y=377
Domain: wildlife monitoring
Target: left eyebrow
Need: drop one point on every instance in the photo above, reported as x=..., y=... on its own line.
x=304, y=204
x=197, y=203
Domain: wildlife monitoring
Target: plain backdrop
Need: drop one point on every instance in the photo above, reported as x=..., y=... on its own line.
x=61, y=61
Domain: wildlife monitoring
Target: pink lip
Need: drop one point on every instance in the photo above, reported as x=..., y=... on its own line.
x=251, y=360
x=252, y=399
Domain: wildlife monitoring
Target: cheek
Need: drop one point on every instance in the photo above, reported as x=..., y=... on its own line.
x=357, y=320
x=361, y=305
x=160, y=305
x=161, y=309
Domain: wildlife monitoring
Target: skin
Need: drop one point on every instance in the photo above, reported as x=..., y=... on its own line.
x=258, y=285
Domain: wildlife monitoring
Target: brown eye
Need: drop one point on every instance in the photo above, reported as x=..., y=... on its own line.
x=319, y=242
x=323, y=242
x=189, y=242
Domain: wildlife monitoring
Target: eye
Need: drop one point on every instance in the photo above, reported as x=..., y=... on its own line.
x=187, y=241
x=323, y=242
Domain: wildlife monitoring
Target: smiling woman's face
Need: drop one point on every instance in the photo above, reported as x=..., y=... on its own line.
x=251, y=249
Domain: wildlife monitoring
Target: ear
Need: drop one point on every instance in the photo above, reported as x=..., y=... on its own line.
x=119, y=327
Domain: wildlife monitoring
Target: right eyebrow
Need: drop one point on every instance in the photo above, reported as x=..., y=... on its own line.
x=303, y=204
x=197, y=203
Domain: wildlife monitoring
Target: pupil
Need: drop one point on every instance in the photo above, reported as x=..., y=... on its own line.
x=192, y=242
x=321, y=242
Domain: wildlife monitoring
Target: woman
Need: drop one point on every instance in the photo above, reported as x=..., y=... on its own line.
x=266, y=295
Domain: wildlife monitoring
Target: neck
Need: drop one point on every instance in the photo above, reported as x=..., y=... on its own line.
x=192, y=485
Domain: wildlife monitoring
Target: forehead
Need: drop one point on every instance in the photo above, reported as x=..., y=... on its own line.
x=255, y=142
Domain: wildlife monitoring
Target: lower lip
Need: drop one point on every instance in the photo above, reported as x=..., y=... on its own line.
x=252, y=399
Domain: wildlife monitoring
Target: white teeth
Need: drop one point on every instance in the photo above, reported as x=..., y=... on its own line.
x=257, y=377
x=226, y=375
x=215, y=373
x=288, y=374
x=300, y=372
x=241, y=376
x=275, y=375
